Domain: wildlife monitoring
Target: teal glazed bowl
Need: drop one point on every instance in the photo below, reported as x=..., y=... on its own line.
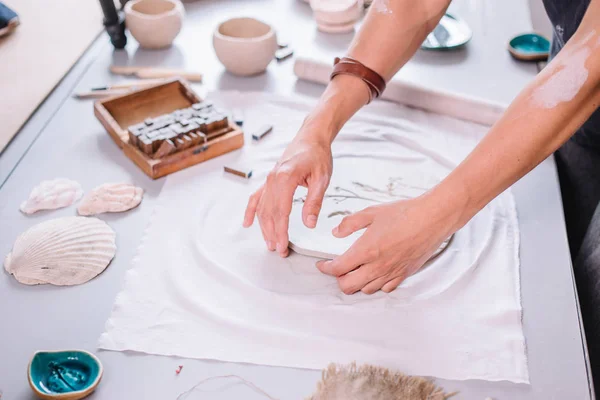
x=64, y=375
x=529, y=47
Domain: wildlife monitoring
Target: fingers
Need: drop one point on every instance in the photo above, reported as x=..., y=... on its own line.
x=353, y=223
x=281, y=208
x=358, y=254
x=356, y=280
x=268, y=231
x=251, y=207
x=314, y=201
x=392, y=285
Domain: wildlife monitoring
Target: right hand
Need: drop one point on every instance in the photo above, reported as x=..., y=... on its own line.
x=305, y=162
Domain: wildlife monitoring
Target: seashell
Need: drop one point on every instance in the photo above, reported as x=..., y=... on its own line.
x=64, y=375
x=62, y=251
x=52, y=194
x=111, y=197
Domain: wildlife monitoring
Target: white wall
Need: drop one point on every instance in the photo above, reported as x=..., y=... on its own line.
x=539, y=18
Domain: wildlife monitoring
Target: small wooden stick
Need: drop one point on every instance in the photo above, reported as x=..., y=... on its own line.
x=235, y=171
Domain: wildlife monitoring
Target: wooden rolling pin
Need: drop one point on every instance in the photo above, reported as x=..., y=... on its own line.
x=155, y=73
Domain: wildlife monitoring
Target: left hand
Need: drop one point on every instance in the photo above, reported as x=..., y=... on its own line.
x=399, y=238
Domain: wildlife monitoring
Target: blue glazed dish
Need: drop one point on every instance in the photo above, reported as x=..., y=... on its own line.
x=529, y=47
x=64, y=375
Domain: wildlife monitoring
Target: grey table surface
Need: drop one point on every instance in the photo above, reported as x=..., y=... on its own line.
x=63, y=139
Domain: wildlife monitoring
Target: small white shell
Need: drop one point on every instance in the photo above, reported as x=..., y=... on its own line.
x=52, y=194
x=111, y=197
x=62, y=251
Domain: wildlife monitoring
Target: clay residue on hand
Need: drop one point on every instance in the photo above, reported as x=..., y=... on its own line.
x=567, y=77
x=382, y=6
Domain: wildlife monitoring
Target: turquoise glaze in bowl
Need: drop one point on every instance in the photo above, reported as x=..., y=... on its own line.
x=529, y=47
x=64, y=375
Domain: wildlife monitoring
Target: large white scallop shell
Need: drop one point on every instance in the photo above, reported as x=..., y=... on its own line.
x=62, y=251
x=111, y=197
x=52, y=194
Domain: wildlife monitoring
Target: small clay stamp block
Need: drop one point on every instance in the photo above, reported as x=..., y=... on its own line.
x=206, y=105
x=188, y=141
x=284, y=53
x=156, y=143
x=192, y=127
x=167, y=147
x=153, y=134
x=137, y=128
x=262, y=132
x=198, y=120
x=216, y=122
x=179, y=144
x=165, y=132
x=244, y=173
x=195, y=138
x=145, y=144
x=177, y=129
x=133, y=138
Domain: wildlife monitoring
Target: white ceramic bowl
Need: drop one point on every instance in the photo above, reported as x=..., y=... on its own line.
x=154, y=23
x=337, y=12
x=245, y=46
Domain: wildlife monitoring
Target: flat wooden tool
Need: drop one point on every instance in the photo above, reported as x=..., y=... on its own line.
x=244, y=173
x=160, y=153
x=155, y=73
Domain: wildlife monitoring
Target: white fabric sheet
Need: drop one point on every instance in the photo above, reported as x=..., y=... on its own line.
x=204, y=287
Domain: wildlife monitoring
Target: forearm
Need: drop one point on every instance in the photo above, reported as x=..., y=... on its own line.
x=536, y=124
x=392, y=32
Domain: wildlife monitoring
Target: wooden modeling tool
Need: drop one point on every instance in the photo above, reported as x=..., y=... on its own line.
x=262, y=132
x=117, y=89
x=167, y=127
x=154, y=73
x=239, y=171
x=99, y=94
x=137, y=84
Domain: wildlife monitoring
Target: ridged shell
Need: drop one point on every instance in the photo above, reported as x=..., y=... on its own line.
x=52, y=194
x=62, y=251
x=111, y=197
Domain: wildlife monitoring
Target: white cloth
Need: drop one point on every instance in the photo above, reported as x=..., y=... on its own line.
x=204, y=287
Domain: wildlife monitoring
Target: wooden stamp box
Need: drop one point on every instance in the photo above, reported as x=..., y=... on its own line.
x=118, y=113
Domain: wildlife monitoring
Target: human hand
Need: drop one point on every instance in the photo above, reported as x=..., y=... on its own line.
x=399, y=238
x=305, y=162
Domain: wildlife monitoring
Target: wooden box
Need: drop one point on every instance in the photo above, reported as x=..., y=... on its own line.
x=118, y=113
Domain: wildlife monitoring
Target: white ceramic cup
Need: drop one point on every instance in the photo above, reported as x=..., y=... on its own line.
x=154, y=23
x=245, y=46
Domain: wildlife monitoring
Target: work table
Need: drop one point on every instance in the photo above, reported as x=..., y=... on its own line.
x=63, y=139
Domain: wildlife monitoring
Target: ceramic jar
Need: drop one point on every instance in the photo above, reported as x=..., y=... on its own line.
x=245, y=46
x=154, y=23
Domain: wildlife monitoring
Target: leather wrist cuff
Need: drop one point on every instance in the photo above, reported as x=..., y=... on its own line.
x=350, y=66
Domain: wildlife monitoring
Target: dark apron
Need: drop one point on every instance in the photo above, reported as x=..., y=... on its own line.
x=578, y=163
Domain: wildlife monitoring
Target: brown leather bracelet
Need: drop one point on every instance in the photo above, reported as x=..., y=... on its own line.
x=350, y=66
